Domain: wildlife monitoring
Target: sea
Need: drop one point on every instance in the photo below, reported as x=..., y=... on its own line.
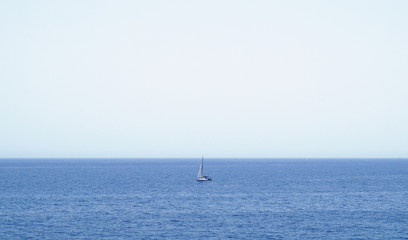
x=161, y=199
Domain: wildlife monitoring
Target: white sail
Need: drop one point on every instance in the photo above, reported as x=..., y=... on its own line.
x=200, y=171
x=200, y=175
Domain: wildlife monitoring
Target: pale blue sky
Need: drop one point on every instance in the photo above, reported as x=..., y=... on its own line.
x=214, y=78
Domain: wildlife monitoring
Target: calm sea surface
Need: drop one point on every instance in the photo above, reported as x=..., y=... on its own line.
x=160, y=199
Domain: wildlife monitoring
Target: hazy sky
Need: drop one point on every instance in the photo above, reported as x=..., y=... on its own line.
x=213, y=78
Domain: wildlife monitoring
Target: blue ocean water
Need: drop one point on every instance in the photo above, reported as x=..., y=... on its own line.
x=160, y=199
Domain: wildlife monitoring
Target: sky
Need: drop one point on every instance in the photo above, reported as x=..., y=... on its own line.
x=269, y=79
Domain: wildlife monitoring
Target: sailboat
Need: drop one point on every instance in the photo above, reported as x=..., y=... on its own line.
x=200, y=175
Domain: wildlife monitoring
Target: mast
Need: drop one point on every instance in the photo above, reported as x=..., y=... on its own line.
x=200, y=171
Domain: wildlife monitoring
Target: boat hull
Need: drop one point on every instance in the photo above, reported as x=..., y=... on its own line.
x=204, y=179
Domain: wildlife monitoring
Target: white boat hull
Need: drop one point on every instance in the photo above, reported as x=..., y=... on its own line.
x=204, y=179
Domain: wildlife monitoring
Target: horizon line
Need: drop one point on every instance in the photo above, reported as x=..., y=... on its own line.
x=1, y=158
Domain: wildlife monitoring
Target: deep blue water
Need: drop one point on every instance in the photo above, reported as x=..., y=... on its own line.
x=160, y=199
